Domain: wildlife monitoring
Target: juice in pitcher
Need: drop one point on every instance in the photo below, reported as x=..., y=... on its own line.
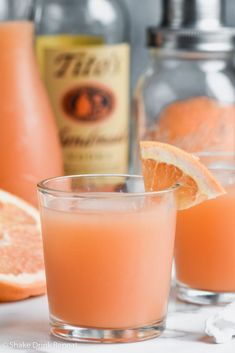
x=30, y=147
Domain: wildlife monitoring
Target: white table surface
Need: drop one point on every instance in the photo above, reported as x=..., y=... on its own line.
x=24, y=328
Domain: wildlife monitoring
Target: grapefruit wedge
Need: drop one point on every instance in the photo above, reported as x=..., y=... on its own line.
x=165, y=166
x=21, y=256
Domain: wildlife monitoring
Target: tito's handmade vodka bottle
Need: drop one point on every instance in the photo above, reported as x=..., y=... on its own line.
x=83, y=52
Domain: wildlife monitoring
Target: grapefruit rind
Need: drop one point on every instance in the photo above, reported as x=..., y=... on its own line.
x=10, y=292
x=23, y=278
x=7, y=197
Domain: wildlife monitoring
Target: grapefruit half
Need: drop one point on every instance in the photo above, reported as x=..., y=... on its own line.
x=197, y=124
x=21, y=256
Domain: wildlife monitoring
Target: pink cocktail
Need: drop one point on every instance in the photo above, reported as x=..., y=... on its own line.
x=108, y=250
x=205, y=241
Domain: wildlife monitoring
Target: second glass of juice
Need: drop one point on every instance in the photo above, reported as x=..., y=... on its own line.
x=108, y=249
x=205, y=241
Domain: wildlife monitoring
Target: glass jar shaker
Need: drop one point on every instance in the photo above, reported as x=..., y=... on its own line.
x=187, y=96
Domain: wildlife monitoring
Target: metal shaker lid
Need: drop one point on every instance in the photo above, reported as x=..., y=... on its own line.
x=199, y=14
x=193, y=25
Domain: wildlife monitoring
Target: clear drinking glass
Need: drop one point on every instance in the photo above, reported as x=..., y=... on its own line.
x=205, y=241
x=108, y=249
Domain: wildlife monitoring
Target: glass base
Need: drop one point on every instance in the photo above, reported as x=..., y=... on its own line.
x=196, y=296
x=91, y=335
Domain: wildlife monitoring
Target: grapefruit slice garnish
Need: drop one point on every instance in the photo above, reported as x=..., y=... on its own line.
x=165, y=166
x=21, y=256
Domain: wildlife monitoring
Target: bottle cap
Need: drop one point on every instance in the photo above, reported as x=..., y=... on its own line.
x=193, y=25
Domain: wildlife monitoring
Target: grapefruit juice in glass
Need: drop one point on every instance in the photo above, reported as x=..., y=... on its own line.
x=205, y=243
x=108, y=249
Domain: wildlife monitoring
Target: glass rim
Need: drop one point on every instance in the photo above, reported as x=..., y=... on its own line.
x=96, y=194
x=225, y=166
x=215, y=153
x=222, y=169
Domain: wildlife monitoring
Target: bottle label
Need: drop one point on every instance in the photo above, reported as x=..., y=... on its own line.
x=89, y=89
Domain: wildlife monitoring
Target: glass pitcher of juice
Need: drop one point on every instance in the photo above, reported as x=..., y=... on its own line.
x=29, y=146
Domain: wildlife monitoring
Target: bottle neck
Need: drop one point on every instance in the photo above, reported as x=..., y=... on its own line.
x=12, y=10
x=16, y=36
x=165, y=59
